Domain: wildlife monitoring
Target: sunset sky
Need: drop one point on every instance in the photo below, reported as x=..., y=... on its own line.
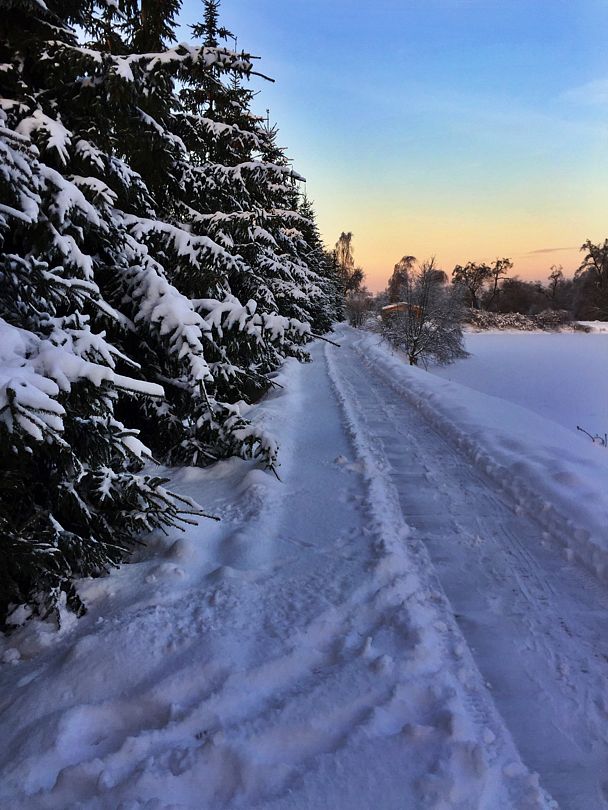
x=464, y=129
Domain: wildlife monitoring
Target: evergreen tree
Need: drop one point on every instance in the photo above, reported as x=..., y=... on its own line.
x=210, y=217
x=154, y=24
x=209, y=30
x=239, y=191
x=294, y=271
x=154, y=269
x=71, y=500
x=188, y=352
x=321, y=263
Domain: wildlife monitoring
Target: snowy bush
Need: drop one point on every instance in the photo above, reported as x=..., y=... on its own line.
x=553, y=318
x=547, y=320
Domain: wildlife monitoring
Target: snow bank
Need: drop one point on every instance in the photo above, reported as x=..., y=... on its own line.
x=594, y=326
x=87, y=700
x=542, y=468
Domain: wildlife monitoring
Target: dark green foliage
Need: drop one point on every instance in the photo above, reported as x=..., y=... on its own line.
x=156, y=263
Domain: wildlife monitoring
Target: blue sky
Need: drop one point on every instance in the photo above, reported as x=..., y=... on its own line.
x=464, y=129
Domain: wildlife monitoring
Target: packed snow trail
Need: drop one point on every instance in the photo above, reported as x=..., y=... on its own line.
x=302, y=653
x=535, y=622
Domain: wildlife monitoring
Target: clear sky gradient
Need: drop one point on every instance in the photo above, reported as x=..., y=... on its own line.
x=463, y=129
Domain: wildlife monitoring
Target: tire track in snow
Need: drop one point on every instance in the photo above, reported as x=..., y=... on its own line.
x=536, y=625
x=385, y=507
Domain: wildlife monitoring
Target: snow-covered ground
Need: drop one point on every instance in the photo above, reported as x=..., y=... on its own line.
x=414, y=616
x=560, y=376
x=595, y=326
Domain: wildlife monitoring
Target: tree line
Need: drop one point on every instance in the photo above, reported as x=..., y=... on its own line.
x=158, y=261
x=492, y=288
x=582, y=297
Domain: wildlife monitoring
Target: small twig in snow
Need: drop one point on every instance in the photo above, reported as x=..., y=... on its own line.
x=603, y=440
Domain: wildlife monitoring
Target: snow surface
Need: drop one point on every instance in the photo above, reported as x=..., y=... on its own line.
x=595, y=326
x=400, y=622
x=556, y=474
x=560, y=376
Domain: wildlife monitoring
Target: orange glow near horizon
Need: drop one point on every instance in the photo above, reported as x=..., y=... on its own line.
x=532, y=266
x=460, y=129
x=533, y=244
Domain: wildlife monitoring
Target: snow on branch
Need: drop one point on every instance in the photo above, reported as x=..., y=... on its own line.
x=171, y=313
x=198, y=250
x=161, y=131
x=179, y=57
x=220, y=129
x=68, y=198
x=53, y=134
x=230, y=314
x=35, y=371
x=17, y=178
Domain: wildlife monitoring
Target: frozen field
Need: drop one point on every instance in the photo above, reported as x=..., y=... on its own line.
x=562, y=376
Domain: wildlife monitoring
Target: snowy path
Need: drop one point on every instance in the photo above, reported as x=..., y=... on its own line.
x=302, y=654
x=536, y=623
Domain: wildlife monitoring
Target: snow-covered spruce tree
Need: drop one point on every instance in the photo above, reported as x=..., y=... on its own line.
x=245, y=339
x=135, y=255
x=202, y=230
x=71, y=501
x=302, y=286
x=322, y=264
x=239, y=191
x=157, y=264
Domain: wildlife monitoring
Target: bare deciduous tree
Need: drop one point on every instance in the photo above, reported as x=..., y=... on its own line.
x=358, y=305
x=400, y=273
x=472, y=277
x=498, y=270
x=430, y=327
x=351, y=276
x=556, y=279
